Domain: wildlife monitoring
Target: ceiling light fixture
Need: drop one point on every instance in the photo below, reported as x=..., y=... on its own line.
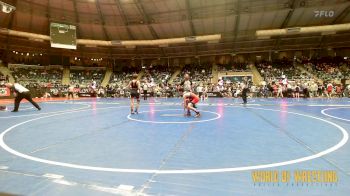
x=7, y=8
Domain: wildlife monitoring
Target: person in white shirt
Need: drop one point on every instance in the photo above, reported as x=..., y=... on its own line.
x=205, y=92
x=200, y=91
x=20, y=92
x=93, y=84
x=238, y=91
x=71, y=91
x=221, y=82
x=93, y=87
x=145, y=89
x=348, y=90
x=187, y=84
x=280, y=91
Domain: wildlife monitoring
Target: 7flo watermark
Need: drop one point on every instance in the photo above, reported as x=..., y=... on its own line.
x=295, y=177
x=324, y=13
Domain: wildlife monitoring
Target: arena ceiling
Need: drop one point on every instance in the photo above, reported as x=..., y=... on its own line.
x=235, y=20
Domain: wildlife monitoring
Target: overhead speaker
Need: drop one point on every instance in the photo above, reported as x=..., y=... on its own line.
x=116, y=42
x=7, y=8
x=191, y=39
x=293, y=30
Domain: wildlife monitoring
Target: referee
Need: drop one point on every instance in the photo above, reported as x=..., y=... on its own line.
x=145, y=89
x=20, y=92
x=245, y=90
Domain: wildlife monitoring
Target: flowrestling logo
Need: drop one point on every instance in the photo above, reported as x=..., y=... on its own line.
x=324, y=13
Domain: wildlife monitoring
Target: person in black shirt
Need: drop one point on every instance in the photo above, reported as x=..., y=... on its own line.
x=244, y=93
x=134, y=87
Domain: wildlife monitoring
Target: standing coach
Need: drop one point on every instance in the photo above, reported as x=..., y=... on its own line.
x=20, y=92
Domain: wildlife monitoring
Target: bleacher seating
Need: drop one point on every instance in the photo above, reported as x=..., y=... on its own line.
x=85, y=77
x=33, y=75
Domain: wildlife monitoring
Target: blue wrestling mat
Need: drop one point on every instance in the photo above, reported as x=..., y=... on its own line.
x=95, y=147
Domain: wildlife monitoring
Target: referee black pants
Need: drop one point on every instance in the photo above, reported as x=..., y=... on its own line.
x=27, y=96
x=244, y=99
x=145, y=95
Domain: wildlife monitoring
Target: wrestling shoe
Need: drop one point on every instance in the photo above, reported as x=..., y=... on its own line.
x=197, y=115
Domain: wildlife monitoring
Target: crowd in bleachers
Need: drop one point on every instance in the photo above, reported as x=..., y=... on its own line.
x=199, y=74
x=234, y=67
x=272, y=71
x=117, y=85
x=33, y=76
x=157, y=74
x=283, y=79
x=86, y=77
x=4, y=78
x=328, y=69
x=155, y=77
x=280, y=79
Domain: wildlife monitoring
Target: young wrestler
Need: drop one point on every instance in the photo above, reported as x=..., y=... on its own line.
x=187, y=84
x=134, y=87
x=190, y=101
